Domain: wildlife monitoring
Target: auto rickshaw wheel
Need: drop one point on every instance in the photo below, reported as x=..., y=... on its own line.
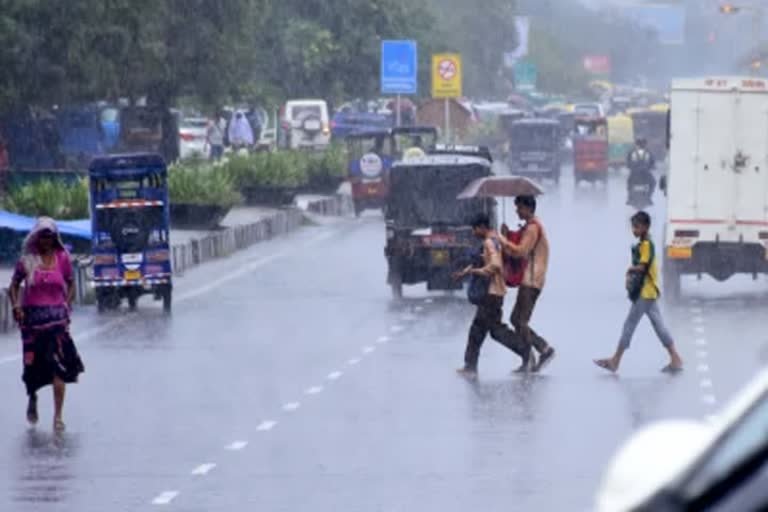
x=107, y=299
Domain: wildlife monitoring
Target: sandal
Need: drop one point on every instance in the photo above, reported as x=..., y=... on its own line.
x=32, y=416
x=58, y=425
x=672, y=369
x=605, y=364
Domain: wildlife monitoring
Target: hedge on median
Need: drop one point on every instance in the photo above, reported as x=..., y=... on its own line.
x=63, y=201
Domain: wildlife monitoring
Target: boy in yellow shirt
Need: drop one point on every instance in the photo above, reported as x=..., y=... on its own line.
x=645, y=302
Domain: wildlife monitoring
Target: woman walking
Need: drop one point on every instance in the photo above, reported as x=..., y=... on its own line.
x=42, y=311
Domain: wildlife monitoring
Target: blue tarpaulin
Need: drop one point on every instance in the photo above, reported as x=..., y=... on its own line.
x=23, y=224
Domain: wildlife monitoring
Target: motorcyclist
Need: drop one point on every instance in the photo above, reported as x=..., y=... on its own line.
x=641, y=164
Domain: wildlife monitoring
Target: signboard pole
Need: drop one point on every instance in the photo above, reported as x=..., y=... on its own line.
x=447, y=120
x=398, y=110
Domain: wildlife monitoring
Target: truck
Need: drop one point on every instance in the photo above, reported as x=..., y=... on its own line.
x=717, y=184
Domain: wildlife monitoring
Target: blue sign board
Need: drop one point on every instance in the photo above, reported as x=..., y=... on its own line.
x=399, y=67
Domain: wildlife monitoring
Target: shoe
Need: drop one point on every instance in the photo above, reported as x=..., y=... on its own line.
x=467, y=373
x=529, y=363
x=545, y=359
x=32, y=410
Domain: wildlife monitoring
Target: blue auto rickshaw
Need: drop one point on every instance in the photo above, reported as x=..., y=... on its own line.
x=370, y=156
x=130, y=218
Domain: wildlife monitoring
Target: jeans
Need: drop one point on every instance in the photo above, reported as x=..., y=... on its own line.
x=639, y=309
x=217, y=152
x=521, y=318
x=488, y=320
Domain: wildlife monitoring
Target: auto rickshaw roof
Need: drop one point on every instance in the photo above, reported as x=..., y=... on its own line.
x=134, y=163
x=441, y=161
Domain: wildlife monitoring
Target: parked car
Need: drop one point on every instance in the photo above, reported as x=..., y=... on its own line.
x=345, y=124
x=193, y=135
x=306, y=125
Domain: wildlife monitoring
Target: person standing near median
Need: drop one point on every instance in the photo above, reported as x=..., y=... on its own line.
x=42, y=311
x=490, y=302
x=643, y=290
x=534, y=248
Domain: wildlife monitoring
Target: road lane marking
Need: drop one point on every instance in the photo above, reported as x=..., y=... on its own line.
x=702, y=354
x=383, y=339
x=203, y=469
x=696, y=311
x=408, y=318
x=705, y=383
x=165, y=498
x=368, y=350
x=291, y=406
x=703, y=368
x=353, y=361
x=428, y=301
x=699, y=330
x=10, y=359
x=236, y=446
x=698, y=319
x=396, y=328
x=314, y=390
x=418, y=309
x=334, y=375
x=266, y=426
x=701, y=342
x=709, y=399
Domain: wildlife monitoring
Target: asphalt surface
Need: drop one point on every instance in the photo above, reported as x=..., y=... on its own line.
x=287, y=379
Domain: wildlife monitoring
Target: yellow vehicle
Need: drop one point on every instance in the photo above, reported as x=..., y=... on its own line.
x=621, y=139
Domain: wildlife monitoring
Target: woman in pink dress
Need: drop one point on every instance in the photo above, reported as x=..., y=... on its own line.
x=42, y=309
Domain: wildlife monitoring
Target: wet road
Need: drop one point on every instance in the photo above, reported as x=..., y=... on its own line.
x=287, y=380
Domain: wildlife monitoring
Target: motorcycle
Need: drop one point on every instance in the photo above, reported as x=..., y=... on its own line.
x=640, y=196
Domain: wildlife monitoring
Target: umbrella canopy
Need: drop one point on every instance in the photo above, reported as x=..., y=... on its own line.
x=501, y=186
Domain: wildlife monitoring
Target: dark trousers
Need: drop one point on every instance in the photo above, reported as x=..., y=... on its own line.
x=488, y=320
x=521, y=318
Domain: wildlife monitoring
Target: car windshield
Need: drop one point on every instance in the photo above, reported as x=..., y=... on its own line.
x=304, y=111
x=426, y=195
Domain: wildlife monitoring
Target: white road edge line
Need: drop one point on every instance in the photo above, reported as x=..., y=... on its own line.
x=334, y=375
x=203, y=469
x=291, y=406
x=236, y=446
x=165, y=498
x=266, y=426
x=314, y=390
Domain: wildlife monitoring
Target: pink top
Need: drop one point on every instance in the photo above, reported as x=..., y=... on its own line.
x=50, y=285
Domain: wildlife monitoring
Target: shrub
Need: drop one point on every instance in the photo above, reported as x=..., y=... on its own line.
x=196, y=182
x=49, y=198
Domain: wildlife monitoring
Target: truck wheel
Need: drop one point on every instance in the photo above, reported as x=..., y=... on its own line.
x=133, y=300
x=107, y=300
x=670, y=277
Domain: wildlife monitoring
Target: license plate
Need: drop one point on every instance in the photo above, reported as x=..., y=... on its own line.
x=372, y=189
x=440, y=257
x=132, y=275
x=132, y=257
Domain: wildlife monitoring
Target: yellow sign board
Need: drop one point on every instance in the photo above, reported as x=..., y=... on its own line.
x=446, y=75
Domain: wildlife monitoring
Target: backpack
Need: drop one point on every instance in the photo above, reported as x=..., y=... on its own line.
x=477, y=288
x=514, y=268
x=636, y=280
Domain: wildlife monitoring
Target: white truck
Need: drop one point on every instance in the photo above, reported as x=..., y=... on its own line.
x=717, y=187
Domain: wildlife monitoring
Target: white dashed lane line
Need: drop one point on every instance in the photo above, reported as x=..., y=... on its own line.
x=396, y=328
x=353, y=361
x=265, y=426
x=709, y=399
x=165, y=498
x=368, y=350
x=314, y=390
x=702, y=354
x=383, y=339
x=699, y=330
x=203, y=469
x=291, y=406
x=701, y=342
x=705, y=383
x=236, y=446
x=702, y=368
x=334, y=375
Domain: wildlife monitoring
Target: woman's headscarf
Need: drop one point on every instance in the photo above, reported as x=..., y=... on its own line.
x=240, y=131
x=30, y=253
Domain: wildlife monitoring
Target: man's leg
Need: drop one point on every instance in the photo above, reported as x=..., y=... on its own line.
x=654, y=315
x=477, y=333
x=636, y=312
x=521, y=318
x=503, y=334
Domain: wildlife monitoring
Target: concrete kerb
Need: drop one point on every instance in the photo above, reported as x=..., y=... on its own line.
x=217, y=245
